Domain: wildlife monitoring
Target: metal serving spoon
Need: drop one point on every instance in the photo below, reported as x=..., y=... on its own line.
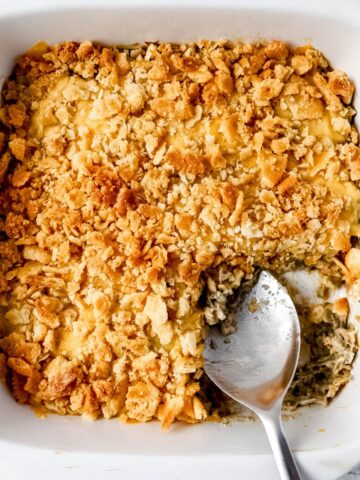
x=256, y=364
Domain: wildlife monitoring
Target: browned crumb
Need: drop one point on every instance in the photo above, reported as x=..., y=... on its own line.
x=253, y=305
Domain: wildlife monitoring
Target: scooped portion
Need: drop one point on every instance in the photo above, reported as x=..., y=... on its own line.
x=142, y=185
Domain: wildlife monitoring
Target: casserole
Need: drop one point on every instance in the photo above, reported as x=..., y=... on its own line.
x=211, y=444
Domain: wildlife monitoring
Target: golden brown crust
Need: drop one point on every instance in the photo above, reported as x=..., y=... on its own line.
x=128, y=173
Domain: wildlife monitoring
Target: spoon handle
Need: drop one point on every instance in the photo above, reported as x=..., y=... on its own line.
x=283, y=457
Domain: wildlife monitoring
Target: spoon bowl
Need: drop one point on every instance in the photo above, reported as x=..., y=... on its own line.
x=255, y=364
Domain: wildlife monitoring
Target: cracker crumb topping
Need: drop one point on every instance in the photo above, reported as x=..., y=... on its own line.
x=131, y=179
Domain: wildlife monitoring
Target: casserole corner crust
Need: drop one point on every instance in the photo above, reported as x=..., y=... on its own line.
x=133, y=180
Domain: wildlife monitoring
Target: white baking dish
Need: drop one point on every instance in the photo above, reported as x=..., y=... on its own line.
x=327, y=440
